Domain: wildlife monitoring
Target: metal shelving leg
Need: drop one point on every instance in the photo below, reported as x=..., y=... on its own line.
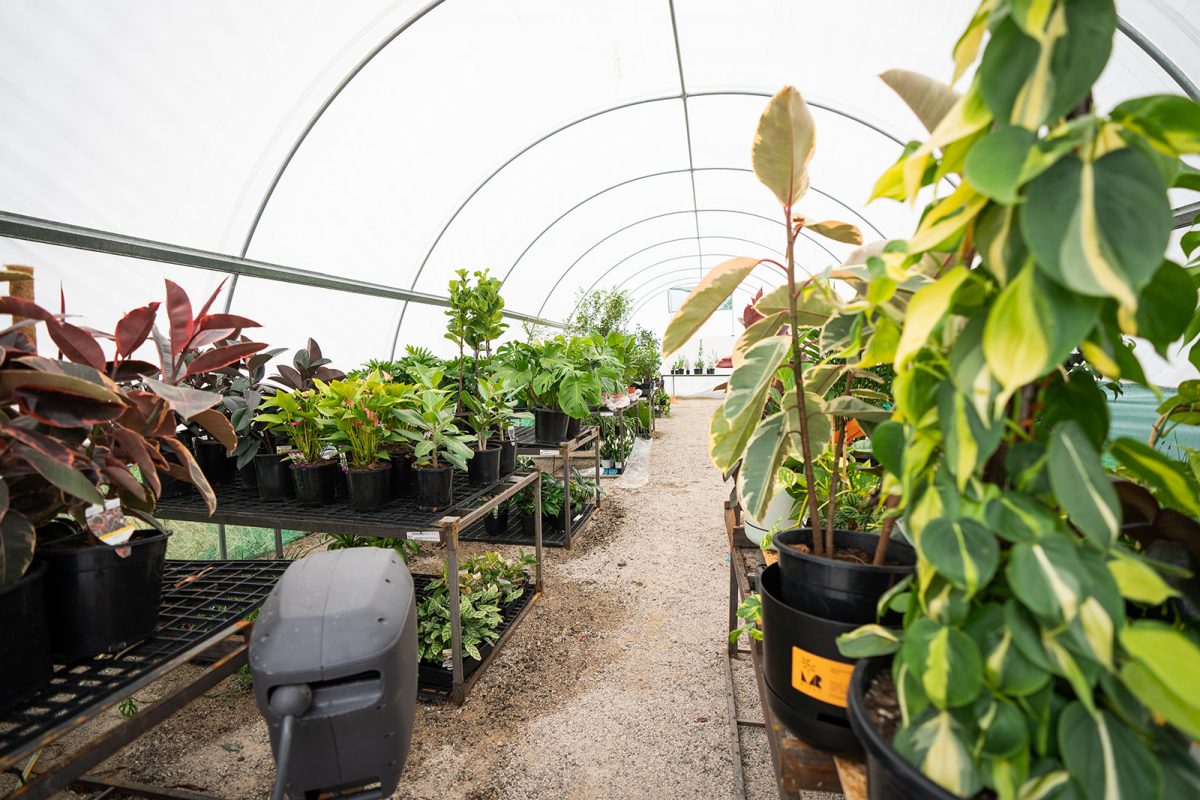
x=278, y=543
x=565, y=452
x=537, y=529
x=596, y=447
x=222, y=552
x=458, y=695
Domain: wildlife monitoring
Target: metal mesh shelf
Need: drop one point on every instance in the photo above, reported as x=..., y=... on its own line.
x=514, y=534
x=201, y=600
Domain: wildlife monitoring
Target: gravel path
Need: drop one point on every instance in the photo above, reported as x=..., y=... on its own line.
x=614, y=687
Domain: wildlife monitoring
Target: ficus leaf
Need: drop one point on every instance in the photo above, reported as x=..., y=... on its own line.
x=703, y=300
x=783, y=146
x=929, y=99
x=838, y=231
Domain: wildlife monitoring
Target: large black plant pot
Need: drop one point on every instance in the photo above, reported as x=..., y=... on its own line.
x=25, y=643
x=889, y=776
x=370, y=489
x=496, y=523
x=316, y=483
x=402, y=482
x=434, y=487
x=574, y=426
x=807, y=678
x=550, y=425
x=274, y=476
x=214, y=461
x=508, y=455
x=484, y=467
x=99, y=601
x=839, y=590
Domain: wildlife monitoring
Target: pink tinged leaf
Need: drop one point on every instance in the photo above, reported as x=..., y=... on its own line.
x=77, y=344
x=64, y=475
x=222, y=357
x=116, y=472
x=183, y=400
x=179, y=311
x=205, y=338
x=19, y=307
x=44, y=444
x=219, y=427
x=191, y=472
x=225, y=321
x=208, y=304
x=134, y=328
x=164, y=354
x=63, y=409
x=137, y=450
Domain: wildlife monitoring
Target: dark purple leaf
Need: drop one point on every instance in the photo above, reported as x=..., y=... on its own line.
x=208, y=304
x=76, y=343
x=191, y=472
x=20, y=307
x=134, y=328
x=63, y=409
x=219, y=427
x=183, y=400
x=179, y=311
x=222, y=357
x=225, y=321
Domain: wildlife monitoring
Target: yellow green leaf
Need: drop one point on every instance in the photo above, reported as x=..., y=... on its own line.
x=784, y=145
x=706, y=298
x=925, y=310
x=838, y=231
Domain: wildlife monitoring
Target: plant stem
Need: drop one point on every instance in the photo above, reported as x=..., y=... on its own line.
x=885, y=534
x=814, y=513
x=838, y=452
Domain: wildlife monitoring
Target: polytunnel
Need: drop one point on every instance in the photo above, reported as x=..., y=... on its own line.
x=362, y=155
x=631, y=399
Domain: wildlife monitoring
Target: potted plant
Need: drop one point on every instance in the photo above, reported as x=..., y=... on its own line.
x=539, y=367
x=698, y=364
x=777, y=406
x=243, y=393
x=551, y=509
x=710, y=365
x=298, y=416
x=438, y=444
x=357, y=409
x=483, y=411
x=1044, y=651
x=502, y=421
x=71, y=431
x=496, y=522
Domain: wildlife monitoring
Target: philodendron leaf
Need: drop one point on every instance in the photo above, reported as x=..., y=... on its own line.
x=868, y=641
x=967, y=441
x=1106, y=759
x=925, y=310
x=1047, y=577
x=853, y=408
x=783, y=146
x=1081, y=485
x=1018, y=518
x=1099, y=228
x=942, y=755
x=1137, y=580
x=735, y=421
x=1032, y=327
x=947, y=662
x=1153, y=468
x=1163, y=673
x=706, y=298
x=961, y=550
x=1004, y=666
x=929, y=99
x=1170, y=122
x=994, y=164
x=838, y=231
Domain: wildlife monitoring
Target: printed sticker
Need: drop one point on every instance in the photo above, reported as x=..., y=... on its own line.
x=821, y=678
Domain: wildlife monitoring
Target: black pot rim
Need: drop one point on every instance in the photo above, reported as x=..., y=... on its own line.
x=313, y=464
x=872, y=739
x=378, y=466
x=427, y=468
x=56, y=546
x=485, y=449
x=849, y=566
x=35, y=571
x=777, y=597
x=276, y=456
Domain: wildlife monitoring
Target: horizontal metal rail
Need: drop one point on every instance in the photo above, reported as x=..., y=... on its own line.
x=62, y=234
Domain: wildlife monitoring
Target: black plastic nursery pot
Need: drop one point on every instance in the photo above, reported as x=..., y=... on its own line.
x=25, y=645
x=550, y=425
x=843, y=591
x=247, y=475
x=401, y=480
x=807, y=678
x=274, y=476
x=341, y=485
x=101, y=598
x=508, y=455
x=434, y=487
x=315, y=483
x=889, y=776
x=214, y=461
x=574, y=426
x=370, y=488
x=496, y=523
x=484, y=467
x=697, y=372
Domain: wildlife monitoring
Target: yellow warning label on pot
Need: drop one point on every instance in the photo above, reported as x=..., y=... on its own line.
x=821, y=678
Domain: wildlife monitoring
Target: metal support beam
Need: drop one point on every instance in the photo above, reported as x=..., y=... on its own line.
x=33, y=229
x=1159, y=57
x=1185, y=215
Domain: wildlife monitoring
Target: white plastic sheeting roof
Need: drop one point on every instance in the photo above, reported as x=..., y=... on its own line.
x=563, y=144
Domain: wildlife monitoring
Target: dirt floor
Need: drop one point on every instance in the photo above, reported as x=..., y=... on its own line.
x=614, y=687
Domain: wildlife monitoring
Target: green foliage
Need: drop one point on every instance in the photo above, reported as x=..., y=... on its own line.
x=645, y=362
x=407, y=549
x=358, y=412
x=429, y=423
x=1041, y=649
x=662, y=403
x=297, y=417
x=600, y=312
x=568, y=374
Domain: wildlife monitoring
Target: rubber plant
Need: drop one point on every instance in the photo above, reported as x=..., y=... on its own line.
x=803, y=340
x=1043, y=653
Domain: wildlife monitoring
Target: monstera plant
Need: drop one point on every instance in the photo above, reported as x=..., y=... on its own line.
x=1043, y=652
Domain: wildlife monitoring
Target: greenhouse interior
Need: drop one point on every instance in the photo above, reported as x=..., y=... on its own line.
x=643, y=399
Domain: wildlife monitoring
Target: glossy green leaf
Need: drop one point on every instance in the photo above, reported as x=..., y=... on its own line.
x=961, y=550
x=1099, y=228
x=1032, y=327
x=998, y=237
x=1163, y=673
x=1082, y=486
x=1079, y=398
x=703, y=300
x=1003, y=730
x=1018, y=518
x=1047, y=577
x=1008, y=61
x=966, y=441
x=942, y=755
x=1152, y=468
x=852, y=408
x=946, y=660
x=1107, y=759
x=1004, y=666
x=868, y=641
x=783, y=146
x=994, y=164
x=1171, y=122
x=926, y=309
x=887, y=445
x=776, y=438
x=1168, y=306
x=1137, y=580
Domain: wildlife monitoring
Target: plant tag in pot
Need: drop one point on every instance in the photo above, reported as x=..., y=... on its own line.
x=424, y=536
x=108, y=523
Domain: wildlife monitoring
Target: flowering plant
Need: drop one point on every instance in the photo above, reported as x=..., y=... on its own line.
x=298, y=416
x=357, y=410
